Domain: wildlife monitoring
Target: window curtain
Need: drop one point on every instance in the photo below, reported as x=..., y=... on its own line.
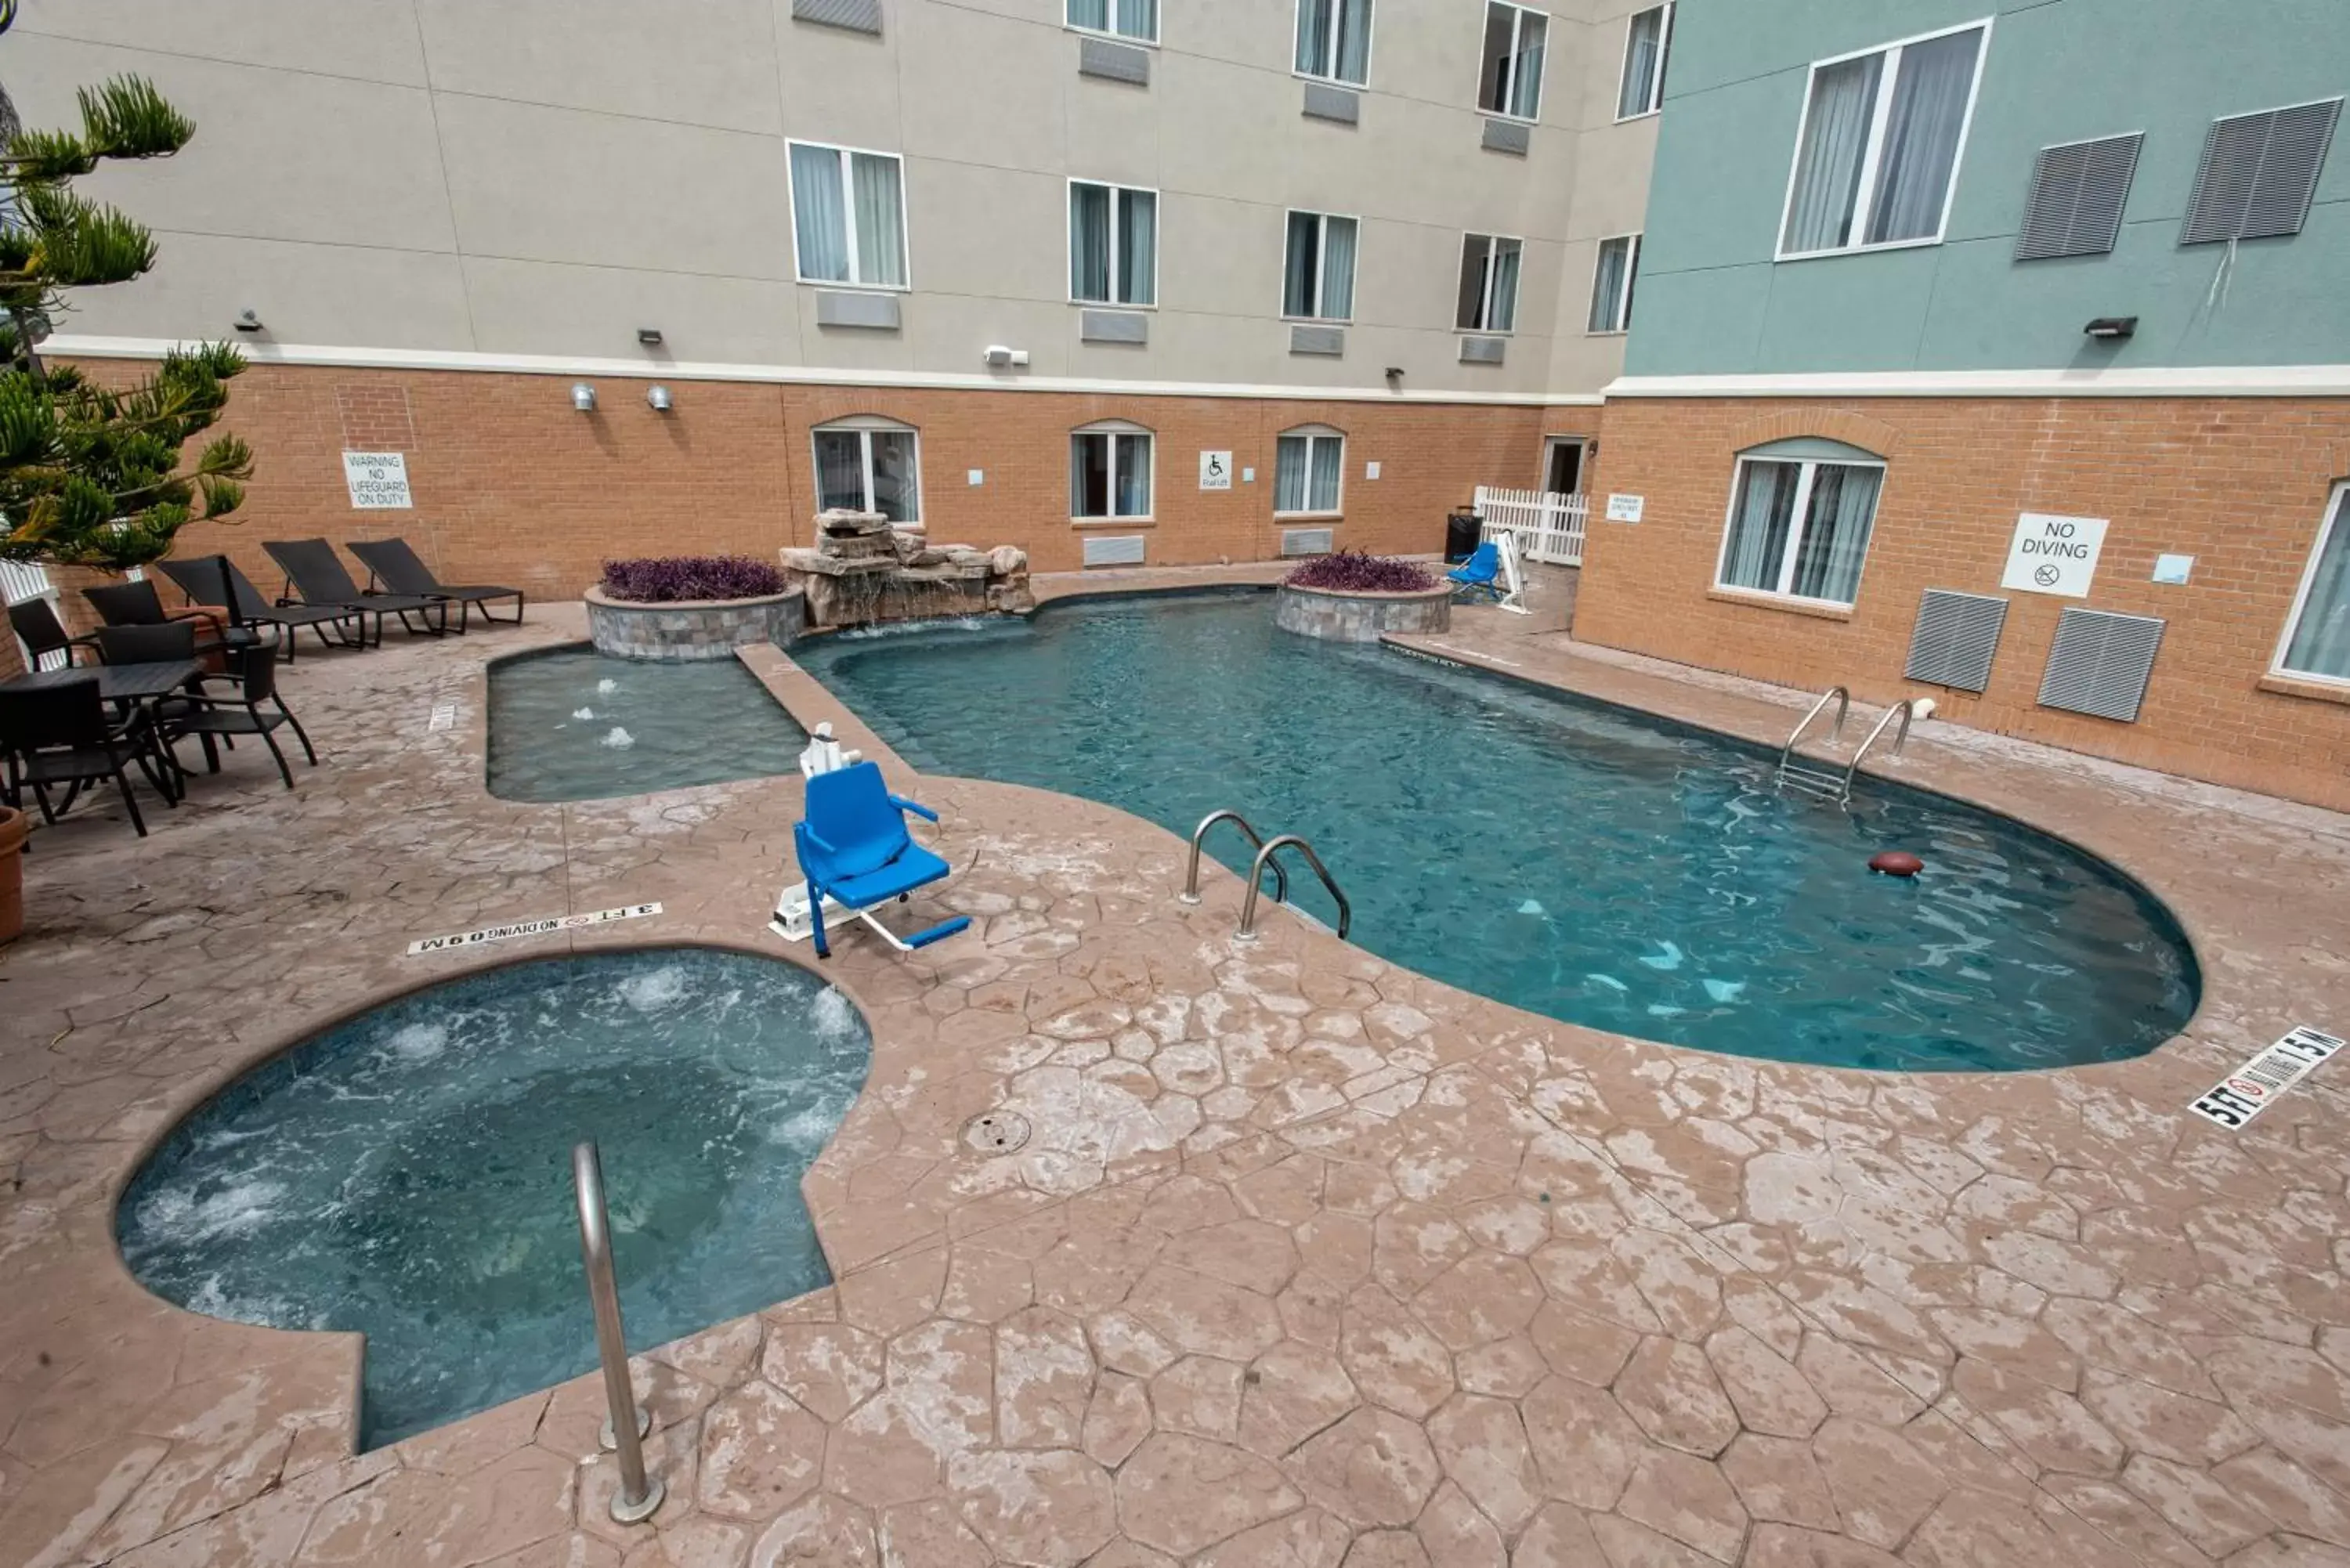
x=1640, y=60
x=1337, y=269
x=1476, y=253
x=1921, y=137
x=1289, y=473
x=1493, y=73
x=1354, y=40
x=896, y=480
x=1835, y=533
x=1139, y=18
x=1138, y=247
x=1314, y=37
x=1504, y=316
x=1298, y=265
x=1089, y=476
x=839, y=470
x=1322, y=493
x=1089, y=242
x=1607, y=284
x=1827, y=167
x=1133, y=475
x=1759, y=529
x=880, y=220
x=819, y=223
x=1092, y=13
x=2321, y=638
x=1525, y=72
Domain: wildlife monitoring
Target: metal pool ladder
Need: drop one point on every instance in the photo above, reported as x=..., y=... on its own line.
x=1822, y=781
x=1266, y=849
x=625, y=1427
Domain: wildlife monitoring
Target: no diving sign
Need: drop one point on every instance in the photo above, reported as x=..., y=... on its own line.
x=377, y=480
x=2254, y=1086
x=2054, y=555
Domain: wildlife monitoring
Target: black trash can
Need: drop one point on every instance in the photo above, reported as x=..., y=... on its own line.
x=1463, y=531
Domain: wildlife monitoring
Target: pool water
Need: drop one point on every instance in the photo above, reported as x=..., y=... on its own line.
x=409, y=1173
x=1575, y=859
x=574, y=724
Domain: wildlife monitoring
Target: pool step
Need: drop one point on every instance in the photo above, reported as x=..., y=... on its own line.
x=1812, y=781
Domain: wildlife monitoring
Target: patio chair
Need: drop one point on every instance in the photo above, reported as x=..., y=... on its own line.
x=139, y=604
x=396, y=566
x=854, y=850
x=61, y=734
x=216, y=580
x=314, y=571
x=206, y=716
x=37, y=626
x=1478, y=577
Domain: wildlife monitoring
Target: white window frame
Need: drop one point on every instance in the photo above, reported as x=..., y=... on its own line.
x=1370, y=47
x=1321, y=260
x=848, y=217
x=1888, y=81
x=1118, y=430
x=1136, y=40
x=1485, y=303
x=1654, y=97
x=1069, y=241
x=1517, y=31
x=1310, y=435
x=2337, y=515
x=864, y=427
x=1623, y=311
x=1801, y=514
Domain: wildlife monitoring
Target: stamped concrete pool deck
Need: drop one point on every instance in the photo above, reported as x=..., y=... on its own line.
x=1308, y=1263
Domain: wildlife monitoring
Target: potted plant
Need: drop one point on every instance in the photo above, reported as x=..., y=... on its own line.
x=692, y=606
x=12, y=873
x=1351, y=596
x=91, y=479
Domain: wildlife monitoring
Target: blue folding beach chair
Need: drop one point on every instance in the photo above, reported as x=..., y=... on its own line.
x=854, y=850
x=1478, y=576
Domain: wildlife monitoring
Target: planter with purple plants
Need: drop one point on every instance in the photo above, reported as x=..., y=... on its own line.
x=1350, y=598
x=692, y=606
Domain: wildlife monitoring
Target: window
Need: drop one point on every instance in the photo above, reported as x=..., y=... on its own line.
x=2258, y=172
x=1647, y=38
x=848, y=217
x=1110, y=473
x=1307, y=467
x=870, y=465
x=1489, y=284
x=1878, y=156
x=1113, y=244
x=1611, y=283
x=1317, y=277
x=2317, y=639
x=1511, y=81
x=1334, y=40
x=1799, y=522
x=1125, y=18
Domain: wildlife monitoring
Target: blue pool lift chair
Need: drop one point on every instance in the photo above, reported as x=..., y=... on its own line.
x=856, y=854
x=1478, y=577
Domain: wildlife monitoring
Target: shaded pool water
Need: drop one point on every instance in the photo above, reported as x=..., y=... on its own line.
x=572, y=724
x=408, y=1174
x=1572, y=858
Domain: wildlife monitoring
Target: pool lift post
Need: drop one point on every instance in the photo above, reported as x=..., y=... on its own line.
x=624, y=1428
x=1513, y=573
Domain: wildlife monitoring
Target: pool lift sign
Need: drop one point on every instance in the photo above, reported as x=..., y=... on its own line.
x=2252, y=1088
x=539, y=926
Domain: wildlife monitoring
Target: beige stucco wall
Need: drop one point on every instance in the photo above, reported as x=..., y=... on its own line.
x=544, y=177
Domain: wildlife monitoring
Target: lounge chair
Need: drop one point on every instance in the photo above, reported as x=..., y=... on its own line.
x=854, y=851
x=139, y=604
x=396, y=566
x=1478, y=576
x=215, y=580
x=313, y=570
x=61, y=734
x=35, y=621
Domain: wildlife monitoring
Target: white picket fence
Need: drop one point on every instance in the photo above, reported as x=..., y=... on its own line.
x=1549, y=526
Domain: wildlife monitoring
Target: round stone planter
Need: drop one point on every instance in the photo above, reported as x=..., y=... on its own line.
x=692, y=628
x=1344, y=616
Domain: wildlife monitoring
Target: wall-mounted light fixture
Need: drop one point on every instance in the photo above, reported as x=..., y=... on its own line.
x=650, y=336
x=248, y=320
x=583, y=397
x=1395, y=377
x=657, y=397
x=2111, y=328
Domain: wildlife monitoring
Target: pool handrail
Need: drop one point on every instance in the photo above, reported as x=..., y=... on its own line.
x=624, y=1428
x=1191, y=893
x=1836, y=694
x=1905, y=710
x=1247, y=931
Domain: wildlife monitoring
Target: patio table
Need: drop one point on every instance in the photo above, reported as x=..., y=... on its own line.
x=116, y=682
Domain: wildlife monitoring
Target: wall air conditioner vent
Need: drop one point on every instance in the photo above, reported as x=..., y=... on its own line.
x=1307, y=541
x=2258, y=172
x=2074, y=206
x=1955, y=638
x=2100, y=662
x=1117, y=550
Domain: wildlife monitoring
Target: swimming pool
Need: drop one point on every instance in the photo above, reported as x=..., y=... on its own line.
x=1572, y=858
x=571, y=723
x=408, y=1174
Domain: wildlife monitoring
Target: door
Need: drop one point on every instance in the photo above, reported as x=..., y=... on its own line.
x=1562, y=466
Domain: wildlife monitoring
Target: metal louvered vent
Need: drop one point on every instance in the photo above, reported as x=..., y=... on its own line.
x=1307, y=541
x=2075, y=207
x=1118, y=550
x=2099, y=663
x=2258, y=172
x=1955, y=638
x=857, y=16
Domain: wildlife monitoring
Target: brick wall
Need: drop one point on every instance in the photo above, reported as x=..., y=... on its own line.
x=2240, y=483
x=512, y=486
